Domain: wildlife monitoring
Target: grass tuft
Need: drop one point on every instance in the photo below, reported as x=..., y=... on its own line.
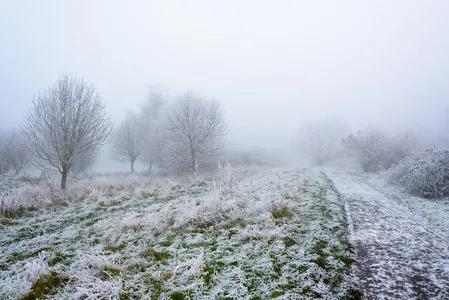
x=177, y=296
x=17, y=256
x=45, y=285
x=56, y=258
x=152, y=254
x=107, y=272
x=282, y=213
x=114, y=248
x=288, y=241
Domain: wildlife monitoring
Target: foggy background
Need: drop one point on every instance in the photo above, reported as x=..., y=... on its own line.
x=272, y=64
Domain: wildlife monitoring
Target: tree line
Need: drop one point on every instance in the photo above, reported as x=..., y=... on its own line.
x=68, y=122
x=176, y=138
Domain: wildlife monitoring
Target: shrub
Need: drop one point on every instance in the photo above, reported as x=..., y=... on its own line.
x=376, y=151
x=424, y=175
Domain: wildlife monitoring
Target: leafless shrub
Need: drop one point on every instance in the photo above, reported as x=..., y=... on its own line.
x=375, y=151
x=29, y=196
x=424, y=175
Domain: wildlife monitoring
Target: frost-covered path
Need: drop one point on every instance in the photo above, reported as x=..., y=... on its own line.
x=400, y=253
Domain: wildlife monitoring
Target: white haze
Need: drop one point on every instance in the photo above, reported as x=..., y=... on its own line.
x=272, y=64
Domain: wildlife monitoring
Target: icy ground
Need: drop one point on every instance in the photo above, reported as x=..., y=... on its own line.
x=249, y=234
x=401, y=242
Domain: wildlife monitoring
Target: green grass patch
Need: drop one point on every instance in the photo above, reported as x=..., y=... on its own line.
x=210, y=268
x=134, y=228
x=155, y=286
x=17, y=256
x=282, y=213
x=319, y=249
x=152, y=254
x=354, y=295
x=177, y=296
x=239, y=223
x=107, y=272
x=302, y=269
x=149, y=194
x=114, y=248
x=56, y=258
x=45, y=285
x=6, y=221
x=288, y=241
x=276, y=294
x=167, y=242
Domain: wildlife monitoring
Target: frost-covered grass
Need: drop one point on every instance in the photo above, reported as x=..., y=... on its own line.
x=18, y=195
x=256, y=234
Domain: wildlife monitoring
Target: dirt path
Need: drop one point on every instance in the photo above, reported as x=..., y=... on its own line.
x=400, y=254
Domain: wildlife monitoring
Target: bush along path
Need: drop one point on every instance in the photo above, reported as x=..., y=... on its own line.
x=399, y=253
x=268, y=233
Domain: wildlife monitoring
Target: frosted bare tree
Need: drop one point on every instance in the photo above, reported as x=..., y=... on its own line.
x=4, y=164
x=126, y=140
x=4, y=167
x=152, y=127
x=66, y=121
x=17, y=150
x=14, y=151
x=197, y=128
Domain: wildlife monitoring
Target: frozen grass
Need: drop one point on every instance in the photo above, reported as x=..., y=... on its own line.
x=247, y=234
x=19, y=195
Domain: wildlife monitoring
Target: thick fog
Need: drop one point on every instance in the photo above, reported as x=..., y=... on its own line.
x=233, y=149
x=273, y=65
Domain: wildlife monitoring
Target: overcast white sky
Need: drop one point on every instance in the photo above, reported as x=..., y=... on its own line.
x=273, y=64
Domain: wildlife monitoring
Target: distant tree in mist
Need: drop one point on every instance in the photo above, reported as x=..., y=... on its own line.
x=14, y=151
x=65, y=122
x=126, y=141
x=4, y=166
x=84, y=162
x=320, y=141
x=446, y=127
x=196, y=129
x=152, y=127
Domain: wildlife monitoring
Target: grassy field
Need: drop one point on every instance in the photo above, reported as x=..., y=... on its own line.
x=247, y=234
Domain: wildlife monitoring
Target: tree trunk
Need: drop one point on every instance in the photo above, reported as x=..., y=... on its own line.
x=17, y=170
x=64, y=179
x=150, y=167
x=194, y=163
